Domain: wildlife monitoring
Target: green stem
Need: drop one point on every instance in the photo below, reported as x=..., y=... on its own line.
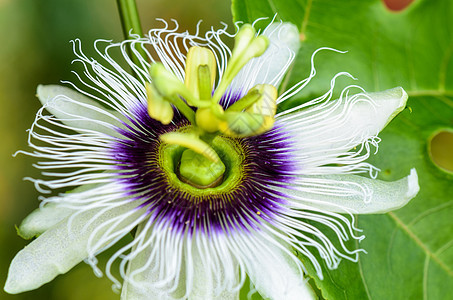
x=129, y=17
x=130, y=22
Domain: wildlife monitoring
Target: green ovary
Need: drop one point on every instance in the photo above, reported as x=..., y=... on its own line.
x=195, y=174
x=200, y=171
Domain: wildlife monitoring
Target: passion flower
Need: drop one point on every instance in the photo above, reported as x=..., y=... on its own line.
x=190, y=154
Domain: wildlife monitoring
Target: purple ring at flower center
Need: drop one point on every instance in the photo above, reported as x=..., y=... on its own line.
x=266, y=164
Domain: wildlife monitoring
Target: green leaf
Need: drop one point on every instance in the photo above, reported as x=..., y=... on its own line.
x=410, y=251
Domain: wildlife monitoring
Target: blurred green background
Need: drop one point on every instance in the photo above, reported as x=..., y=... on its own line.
x=35, y=49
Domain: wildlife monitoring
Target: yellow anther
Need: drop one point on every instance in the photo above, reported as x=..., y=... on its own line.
x=255, y=48
x=244, y=124
x=261, y=99
x=267, y=125
x=190, y=141
x=158, y=108
x=200, y=72
x=168, y=85
x=165, y=81
x=267, y=103
x=241, y=124
x=260, y=105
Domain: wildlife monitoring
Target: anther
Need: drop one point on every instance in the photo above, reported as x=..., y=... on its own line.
x=200, y=72
x=158, y=108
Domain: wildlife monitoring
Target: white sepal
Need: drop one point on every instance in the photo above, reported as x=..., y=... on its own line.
x=273, y=64
x=327, y=132
x=273, y=270
x=284, y=45
x=204, y=281
x=194, y=281
x=59, y=249
x=78, y=111
x=141, y=280
x=46, y=216
x=43, y=218
x=353, y=193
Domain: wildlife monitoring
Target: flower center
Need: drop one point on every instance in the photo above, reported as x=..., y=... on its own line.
x=186, y=172
x=199, y=163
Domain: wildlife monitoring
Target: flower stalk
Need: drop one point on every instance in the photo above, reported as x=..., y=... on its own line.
x=130, y=22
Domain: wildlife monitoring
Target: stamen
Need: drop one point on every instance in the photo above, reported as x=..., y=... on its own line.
x=251, y=115
x=243, y=39
x=261, y=99
x=260, y=108
x=243, y=124
x=169, y=87
x=251, y=97
x=267, y=103
x=247, y=46
x=167, y=84
x=158, y=108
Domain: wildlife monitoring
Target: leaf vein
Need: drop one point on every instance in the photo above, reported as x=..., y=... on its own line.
x=444, y=247
x=362, y=276
x=443, y=67
x=303, y=26
x=433, y=93
x=430, y=211
x=417, y=240
x=425, y=278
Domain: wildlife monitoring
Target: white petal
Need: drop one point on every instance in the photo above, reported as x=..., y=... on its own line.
x=46, y=216
x=141, y=275
x=356, y=194
x=142, y=285
x=274, y=273
x=77, y=110
x=284, y=45
x=273, y=64
x=42, y=219
x=204, y=282
x=57, y=250
x=135, y=291
x=332, y=128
